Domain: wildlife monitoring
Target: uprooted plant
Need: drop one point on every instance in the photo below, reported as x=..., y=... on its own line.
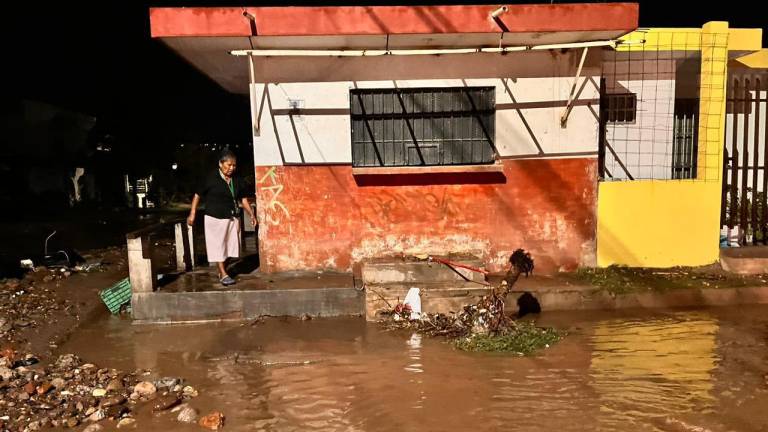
x=483, y=326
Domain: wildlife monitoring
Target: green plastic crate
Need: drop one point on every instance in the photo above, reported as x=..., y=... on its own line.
x=117, y=295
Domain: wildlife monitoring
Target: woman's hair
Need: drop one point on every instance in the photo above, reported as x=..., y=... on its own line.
x=226, y=155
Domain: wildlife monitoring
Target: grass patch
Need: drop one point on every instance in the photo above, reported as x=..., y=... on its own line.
x=523, y=338
x=619, y=280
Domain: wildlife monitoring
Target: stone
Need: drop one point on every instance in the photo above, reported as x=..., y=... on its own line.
x=189, y=391
x=34, y=426
x=187, y=415
x=59, y=383
x=115, y=384
x=97, y=415
x=213, y=421
x=99, y=392
x=44, y=388
x=145, y=388
x=135, y=396
x=90, y=411
x=23, y=396
x=165, y=402
x=68, y=361
x=20, y=323
x=94, y=428
x=30, y=388
x=72, y=422
x=116, y=411
x=113, y=400
x=167, y=382
x=126, y=423
x=7, y=374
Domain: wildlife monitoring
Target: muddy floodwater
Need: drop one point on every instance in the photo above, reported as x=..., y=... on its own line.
x=615, y=371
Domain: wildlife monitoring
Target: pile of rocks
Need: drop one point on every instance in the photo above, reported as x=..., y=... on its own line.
x=69, y=393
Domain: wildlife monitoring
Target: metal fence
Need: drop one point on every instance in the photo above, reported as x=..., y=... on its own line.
x=651, y=91
x=746, y=146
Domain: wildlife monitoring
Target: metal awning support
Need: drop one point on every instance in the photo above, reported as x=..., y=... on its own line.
x=255, y=108
x=569, y=105
x=373, y=53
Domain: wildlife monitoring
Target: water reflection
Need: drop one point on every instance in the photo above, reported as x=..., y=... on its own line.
x=645, y=368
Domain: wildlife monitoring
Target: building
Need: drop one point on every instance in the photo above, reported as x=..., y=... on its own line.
x=562, y=129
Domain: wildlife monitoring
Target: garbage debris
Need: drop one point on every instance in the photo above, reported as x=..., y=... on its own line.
x=117, y=295
x=485, y=319
x=413, y=301
x=27, y=264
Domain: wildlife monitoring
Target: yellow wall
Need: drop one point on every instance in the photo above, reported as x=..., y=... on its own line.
x=654, y=223
x=664, y=223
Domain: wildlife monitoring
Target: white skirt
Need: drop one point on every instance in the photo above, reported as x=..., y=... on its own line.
x=222, y=238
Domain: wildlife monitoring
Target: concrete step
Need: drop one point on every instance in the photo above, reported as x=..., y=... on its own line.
x=387, y=271
x=751, y=260
x=246, y=304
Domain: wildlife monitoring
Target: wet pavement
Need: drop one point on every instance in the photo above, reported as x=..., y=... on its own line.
x=615, y=371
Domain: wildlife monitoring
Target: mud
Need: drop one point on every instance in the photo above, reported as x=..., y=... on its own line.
x=616, y=371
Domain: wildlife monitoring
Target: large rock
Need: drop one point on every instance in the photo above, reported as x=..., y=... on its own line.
x=187, y=414
x=145, y=388
x=165, y=402
x=126, y=423
x=68, y=361
x=213, y=421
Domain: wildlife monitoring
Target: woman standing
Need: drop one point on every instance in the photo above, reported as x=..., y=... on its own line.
x=221, y=193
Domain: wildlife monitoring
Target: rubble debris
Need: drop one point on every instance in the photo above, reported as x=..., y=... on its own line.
x=484, y=326
x=68, y=393
x=117, y=296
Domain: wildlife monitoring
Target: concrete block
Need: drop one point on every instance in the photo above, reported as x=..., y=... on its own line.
x=140, y=269
x=443, y=297
x=223, y=305
x=185, y=247
x=395, y=271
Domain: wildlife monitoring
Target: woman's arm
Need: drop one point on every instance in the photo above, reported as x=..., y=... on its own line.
x=249, y=210
x=193, y=210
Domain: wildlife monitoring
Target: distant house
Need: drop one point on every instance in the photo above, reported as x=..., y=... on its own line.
x=562, y=129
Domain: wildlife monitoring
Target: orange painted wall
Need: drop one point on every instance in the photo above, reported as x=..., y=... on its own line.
x=323, y=217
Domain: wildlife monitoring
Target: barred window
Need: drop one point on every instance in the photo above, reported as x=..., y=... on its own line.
x=422, y=126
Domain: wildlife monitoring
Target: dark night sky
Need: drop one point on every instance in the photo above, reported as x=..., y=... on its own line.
x=101, y=61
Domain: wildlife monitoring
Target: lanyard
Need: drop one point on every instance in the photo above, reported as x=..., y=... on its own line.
x=231, y=185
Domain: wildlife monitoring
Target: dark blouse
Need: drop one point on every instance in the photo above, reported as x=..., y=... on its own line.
x=220, y=202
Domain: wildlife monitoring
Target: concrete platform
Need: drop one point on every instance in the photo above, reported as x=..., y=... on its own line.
x=198, y=296
x=749, y=260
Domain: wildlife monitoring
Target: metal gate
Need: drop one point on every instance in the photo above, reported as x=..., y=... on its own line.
x=746, y=146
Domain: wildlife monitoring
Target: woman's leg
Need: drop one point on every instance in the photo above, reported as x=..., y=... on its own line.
x=222, y=270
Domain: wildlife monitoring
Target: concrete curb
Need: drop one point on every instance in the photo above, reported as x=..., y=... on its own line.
x=591, y=298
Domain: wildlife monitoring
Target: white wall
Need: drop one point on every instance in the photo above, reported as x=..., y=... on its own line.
x=531, y=88
x=644, y=148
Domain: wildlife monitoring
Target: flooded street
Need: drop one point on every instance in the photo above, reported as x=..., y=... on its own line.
x=615, y=371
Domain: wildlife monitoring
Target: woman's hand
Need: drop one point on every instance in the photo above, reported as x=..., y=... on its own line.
x=254, y=222
x=191, y=219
